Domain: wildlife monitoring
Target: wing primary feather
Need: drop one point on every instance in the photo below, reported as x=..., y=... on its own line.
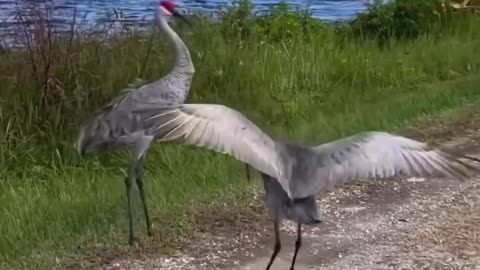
x=421, y=170
x=404, y=163
x=159, y=114
x=448, y=163
x=218, y=141
x=468, y=166
x=471, y=158
x=189, y=117
x=191, y=132
x=428, y=161
x=412, y=168
x=463, y=173
x=201, y=137
x=447, y=169
x=452, y=169
x=153, y=130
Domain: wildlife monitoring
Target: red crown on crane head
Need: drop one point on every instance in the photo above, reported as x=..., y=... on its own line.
x=170, y=6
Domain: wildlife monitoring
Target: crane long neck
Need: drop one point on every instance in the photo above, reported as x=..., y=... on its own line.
x=183, y=62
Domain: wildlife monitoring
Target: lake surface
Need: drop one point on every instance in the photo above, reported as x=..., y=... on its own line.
x=140, y=12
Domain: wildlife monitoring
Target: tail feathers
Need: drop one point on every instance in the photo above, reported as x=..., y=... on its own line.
x=87, y=141
x=305, y=210
x=79, y=144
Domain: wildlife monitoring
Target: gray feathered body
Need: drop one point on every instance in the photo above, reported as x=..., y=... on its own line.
x=298, y=161
x=303, y=210
x=121, y=122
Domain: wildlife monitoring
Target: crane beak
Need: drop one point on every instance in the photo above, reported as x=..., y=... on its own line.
x=177, y=14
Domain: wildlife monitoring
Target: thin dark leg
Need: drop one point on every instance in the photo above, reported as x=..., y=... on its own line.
x=278, y=244
x=298, y=244
x=139, y=178
x=128, y=184
x=248, y=172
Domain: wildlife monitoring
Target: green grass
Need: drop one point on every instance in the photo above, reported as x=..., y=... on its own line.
x=58, y=209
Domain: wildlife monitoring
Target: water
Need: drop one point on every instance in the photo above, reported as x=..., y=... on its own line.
x=140, y=12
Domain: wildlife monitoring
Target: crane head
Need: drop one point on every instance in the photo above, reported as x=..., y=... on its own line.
x=167, y=8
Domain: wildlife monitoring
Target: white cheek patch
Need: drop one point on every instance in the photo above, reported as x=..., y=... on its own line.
x=165, y=11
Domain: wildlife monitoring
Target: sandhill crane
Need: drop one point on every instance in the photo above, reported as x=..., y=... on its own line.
x=115, y=125
x=294, y=173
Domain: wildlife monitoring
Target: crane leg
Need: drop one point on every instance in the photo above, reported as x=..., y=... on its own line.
x=248, y=172
x=298, y=244
x=278, y=244
x=139, y=178
x=128, y=184
x=140, y=151
x=135, y=174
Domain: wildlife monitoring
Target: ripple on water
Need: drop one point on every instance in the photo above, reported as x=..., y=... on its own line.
x=135, y=12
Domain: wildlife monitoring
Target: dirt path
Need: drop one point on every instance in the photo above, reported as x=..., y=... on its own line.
x=383, y=228
x=394, y=224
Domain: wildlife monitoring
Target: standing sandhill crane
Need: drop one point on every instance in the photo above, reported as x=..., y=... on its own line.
x=293, y=173
x=116, y=125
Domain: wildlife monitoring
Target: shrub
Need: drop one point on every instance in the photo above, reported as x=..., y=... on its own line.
x=284, y=23
x=279, y=23
x=402, y=19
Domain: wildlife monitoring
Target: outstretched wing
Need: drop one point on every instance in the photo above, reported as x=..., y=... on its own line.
x=374, y=154
x=219, y=128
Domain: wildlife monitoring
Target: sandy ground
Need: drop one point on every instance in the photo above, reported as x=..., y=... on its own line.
x=391, y=224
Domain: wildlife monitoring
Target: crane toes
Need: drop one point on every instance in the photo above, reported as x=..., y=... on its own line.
x=131, y=240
